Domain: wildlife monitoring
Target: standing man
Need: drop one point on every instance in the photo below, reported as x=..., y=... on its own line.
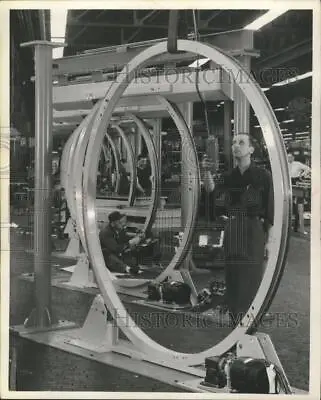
x=298, y=171
x=245, y=195
x=144, y=176
x=117, y=246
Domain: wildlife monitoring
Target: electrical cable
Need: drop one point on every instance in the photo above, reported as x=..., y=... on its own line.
x=197, y=37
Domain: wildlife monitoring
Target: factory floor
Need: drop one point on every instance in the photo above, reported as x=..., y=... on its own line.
x=41, y=368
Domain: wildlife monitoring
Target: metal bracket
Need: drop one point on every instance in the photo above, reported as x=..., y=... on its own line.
x=72, y=250
x=259, y=345
x=98, y=333
x=82, y=276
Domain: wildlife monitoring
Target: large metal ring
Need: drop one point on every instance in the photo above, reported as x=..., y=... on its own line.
x=282, y=197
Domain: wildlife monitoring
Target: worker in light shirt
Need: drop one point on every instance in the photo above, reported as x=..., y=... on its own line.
x=298, y=171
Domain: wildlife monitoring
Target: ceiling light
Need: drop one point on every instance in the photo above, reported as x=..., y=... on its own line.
x=287, y=121
x=294, y=79
x=265, y=89
x=264, y=19
x=279, y=109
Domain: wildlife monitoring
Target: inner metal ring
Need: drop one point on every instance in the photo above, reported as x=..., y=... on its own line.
x=282, y=197
x=131, y=159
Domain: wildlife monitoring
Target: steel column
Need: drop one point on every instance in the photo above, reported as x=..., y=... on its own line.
x=241, y=104
x=187, y=112
x=42, y=316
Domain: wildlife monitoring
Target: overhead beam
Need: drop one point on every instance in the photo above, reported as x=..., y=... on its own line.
x=153, y=12
x=79, y=16
x=174, y=86
x=204, y=22
x=136, y=24
x=106, y=59
x=79, y=33
x=137, y=31
x=284, y=56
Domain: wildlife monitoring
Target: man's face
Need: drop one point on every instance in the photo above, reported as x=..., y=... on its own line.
x=120, y=224
x=241, y=146
x=141, y=163
x=290, y=158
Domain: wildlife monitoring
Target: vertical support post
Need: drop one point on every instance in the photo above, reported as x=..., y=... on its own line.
x=41, y=316
x=187, y=111
x=157, y=137
x=228, y=134
x=241, y=104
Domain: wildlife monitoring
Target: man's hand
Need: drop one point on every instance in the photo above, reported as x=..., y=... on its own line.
x=266, y=251
x=135, y=241
x=134, y=270
x=205, y=163
x=208, y=180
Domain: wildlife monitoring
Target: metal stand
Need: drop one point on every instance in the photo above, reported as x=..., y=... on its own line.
x=82, y=276
x=42, y=317
x=105, y=334
x=72, y=250
x=260, y=346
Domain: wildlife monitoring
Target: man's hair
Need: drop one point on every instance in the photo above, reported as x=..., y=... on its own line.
x=115, y=216
x=252, y=141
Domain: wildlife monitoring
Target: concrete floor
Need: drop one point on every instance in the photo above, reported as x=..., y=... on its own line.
x=43, y=368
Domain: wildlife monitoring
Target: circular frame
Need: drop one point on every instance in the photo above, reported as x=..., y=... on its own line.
x=282, y=197
x=131, y=159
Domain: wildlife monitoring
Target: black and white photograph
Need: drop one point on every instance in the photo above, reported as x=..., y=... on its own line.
x=160, y=199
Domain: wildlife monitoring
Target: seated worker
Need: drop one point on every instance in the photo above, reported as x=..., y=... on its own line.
x=118, y=246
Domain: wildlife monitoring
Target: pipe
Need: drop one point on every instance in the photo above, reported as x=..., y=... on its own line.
x=41, y=316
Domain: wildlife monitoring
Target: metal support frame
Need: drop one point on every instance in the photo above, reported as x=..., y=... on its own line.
x=279, y=236
x=42, y=316
x=241, y=104
x=141, y=343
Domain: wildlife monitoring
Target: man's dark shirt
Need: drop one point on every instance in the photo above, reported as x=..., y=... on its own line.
x=143, y=176
x=113, y=242
x=249, y=194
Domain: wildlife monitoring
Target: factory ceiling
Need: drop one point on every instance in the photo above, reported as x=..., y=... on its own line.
x=284, y=44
